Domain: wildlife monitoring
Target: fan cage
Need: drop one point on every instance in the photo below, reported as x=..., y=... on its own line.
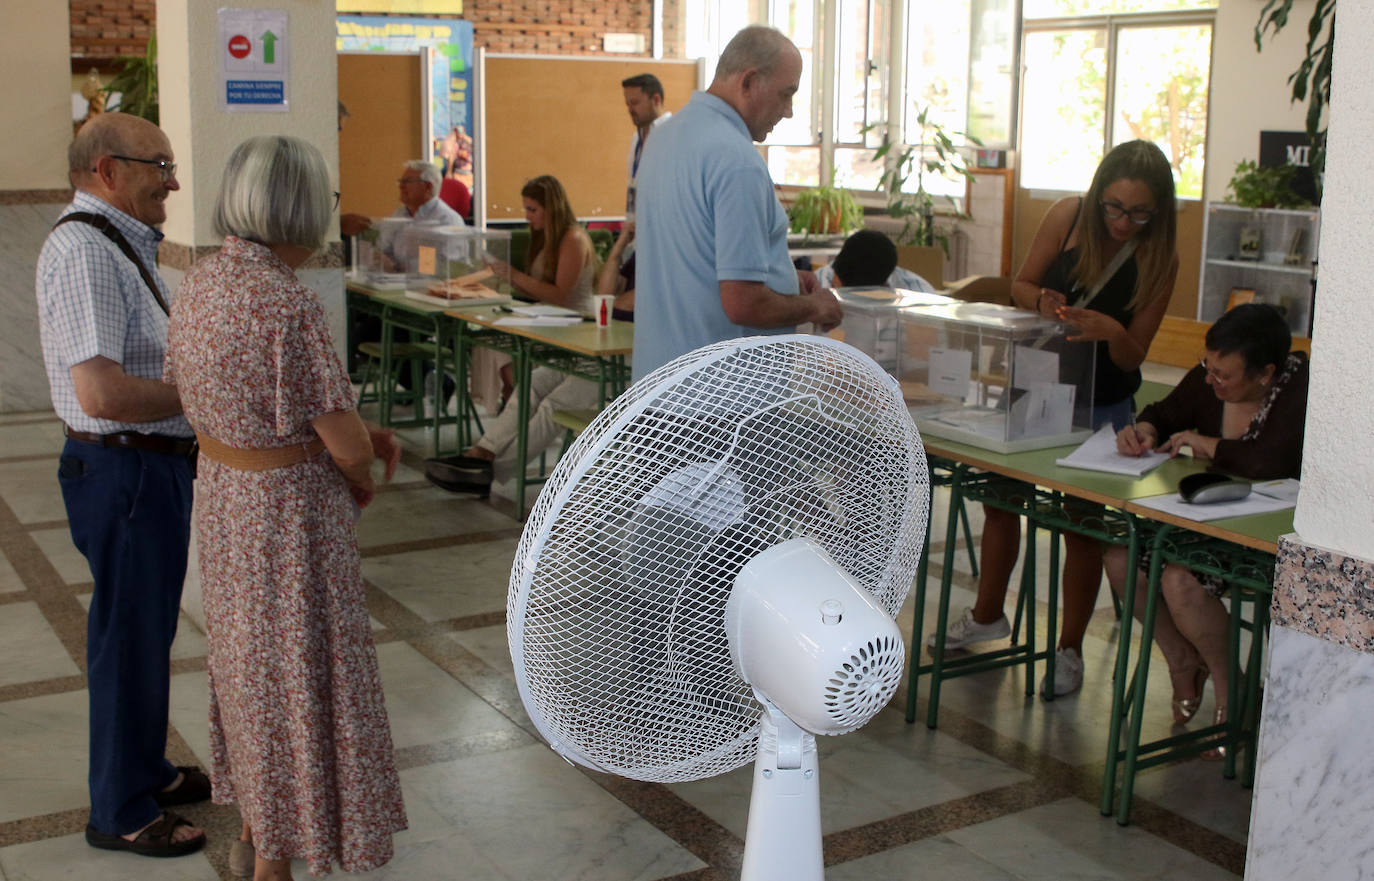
x=865, y=683
x=617, y=597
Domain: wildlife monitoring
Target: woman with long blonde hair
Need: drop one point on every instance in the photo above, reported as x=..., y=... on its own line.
x=1104, y=262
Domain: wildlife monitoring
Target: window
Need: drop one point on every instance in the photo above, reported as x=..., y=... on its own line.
x=883, y=60
x=1097, y=73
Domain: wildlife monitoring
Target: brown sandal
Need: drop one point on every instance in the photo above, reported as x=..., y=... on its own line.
x=154, y=841
x=194, y=787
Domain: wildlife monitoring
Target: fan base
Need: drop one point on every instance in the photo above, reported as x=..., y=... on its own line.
x=784, y=838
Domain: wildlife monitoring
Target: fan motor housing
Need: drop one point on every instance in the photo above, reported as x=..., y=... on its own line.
x=811, y=639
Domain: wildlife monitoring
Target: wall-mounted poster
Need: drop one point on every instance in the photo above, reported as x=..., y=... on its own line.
x=451, y=130
x=254, y=49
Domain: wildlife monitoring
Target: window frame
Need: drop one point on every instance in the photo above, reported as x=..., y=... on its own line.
x=1113, y=24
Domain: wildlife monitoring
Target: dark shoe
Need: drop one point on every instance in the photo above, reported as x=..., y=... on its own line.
x=194, y=787
x=460, y=474
x=155, y=841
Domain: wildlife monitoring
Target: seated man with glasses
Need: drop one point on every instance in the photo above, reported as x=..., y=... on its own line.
x=1243, y=407
x=419, y=185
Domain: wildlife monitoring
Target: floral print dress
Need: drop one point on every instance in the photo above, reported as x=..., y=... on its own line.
x=298, y=730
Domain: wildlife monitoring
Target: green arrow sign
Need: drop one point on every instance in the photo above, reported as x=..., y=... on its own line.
x=269, y=47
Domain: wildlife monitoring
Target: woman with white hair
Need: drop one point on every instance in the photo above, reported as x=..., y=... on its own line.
x=298, y=731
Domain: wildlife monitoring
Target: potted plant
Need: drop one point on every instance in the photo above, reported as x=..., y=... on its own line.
x=825, y=211
x=1255, y=187
x=137, y=84
x=937, y=154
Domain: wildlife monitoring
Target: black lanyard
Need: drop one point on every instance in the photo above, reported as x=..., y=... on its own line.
x=102, y=223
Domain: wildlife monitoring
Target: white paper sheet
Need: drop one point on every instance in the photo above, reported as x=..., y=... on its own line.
x=1286, y=489
x=1098, y=453
x=1049, y=409
x=537, y=321
x=1255, y=503
x=949, y=372
x=545, y=310
x=1035, y=367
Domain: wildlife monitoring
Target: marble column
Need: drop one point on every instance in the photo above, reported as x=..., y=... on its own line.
x=1313, y=795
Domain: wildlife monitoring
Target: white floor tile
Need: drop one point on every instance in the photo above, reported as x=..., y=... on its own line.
x=44, y=758
x=69, y=858
x=426, y=705
x=446, y=582
x=29, y=650
x=57, y=546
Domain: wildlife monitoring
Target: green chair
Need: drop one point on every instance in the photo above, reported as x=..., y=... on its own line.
x=602, y=240
x=383, y=389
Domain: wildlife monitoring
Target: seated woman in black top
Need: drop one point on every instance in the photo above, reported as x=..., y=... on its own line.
x=1243, y=408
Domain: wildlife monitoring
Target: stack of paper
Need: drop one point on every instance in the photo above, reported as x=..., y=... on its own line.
x=1098, y=453
x=546, y=310
x=538, y=321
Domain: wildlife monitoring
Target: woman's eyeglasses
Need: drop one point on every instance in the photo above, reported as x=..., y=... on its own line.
x=1116, y=211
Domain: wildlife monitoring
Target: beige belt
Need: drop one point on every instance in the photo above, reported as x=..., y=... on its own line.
x=257, y=460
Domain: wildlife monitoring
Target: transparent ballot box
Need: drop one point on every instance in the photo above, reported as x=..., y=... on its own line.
x=433, y=261
x=995, y=377
x=374, y=253
x=873, y=323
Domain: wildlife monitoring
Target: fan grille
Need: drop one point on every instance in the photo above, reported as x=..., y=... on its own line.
x=865, y=683
x=617, y=598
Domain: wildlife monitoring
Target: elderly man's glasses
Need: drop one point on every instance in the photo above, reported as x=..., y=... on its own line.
x=1115, y=211
x=166, y=170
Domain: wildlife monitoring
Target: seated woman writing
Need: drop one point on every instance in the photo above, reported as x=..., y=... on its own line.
x=1242, y=407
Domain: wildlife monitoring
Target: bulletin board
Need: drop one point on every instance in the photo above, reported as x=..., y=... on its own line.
x=383, y=131
x=565, y=117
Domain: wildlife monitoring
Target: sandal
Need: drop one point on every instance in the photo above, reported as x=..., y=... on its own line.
x=1185, y=708
x=194, y=787
x=154, y=841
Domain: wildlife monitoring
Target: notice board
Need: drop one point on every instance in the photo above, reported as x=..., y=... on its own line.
x=384, y=129
x=566, y=117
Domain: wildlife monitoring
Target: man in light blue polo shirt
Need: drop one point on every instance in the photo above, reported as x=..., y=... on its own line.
x=710, y=232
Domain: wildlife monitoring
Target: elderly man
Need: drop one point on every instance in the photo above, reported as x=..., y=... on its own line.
x=125, y=471
x=420, y=202
x=644, y=101
x=711, y=234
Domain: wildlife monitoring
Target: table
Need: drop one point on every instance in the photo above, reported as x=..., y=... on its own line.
x=399, y=312
x=1252, y=537
x=582, y=350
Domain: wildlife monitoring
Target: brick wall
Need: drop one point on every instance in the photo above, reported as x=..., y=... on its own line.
x=103, y=29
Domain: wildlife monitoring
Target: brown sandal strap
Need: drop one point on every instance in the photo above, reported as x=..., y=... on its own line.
x=159, y=833
x=264, y=459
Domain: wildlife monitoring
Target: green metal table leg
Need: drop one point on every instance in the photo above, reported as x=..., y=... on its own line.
x=1120, y=687
x=942, y=616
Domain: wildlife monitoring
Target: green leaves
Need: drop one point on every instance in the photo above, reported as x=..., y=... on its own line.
x=1311, y=82
x=137, y=84
x=1256, y=187
x=937, y=154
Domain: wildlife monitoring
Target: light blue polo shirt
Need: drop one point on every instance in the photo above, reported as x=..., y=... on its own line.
x=706, y=213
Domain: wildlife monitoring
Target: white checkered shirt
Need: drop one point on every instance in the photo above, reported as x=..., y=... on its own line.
x=92, y=301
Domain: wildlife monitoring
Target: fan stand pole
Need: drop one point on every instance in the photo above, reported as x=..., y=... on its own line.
x=784, y=838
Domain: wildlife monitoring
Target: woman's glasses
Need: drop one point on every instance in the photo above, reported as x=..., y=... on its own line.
x=1116, y=211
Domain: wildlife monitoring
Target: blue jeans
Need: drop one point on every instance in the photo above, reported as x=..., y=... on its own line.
x=1120, y=414
x=130, y=515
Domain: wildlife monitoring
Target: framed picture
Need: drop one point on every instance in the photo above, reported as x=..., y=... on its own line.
x=1239, y=296
x=1249, y=244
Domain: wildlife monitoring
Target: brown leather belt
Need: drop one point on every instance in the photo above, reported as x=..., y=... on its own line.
x=153, y=443
x=265, y=459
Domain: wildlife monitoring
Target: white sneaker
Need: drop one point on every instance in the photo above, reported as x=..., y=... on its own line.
x=965, y=631
x=1068, y=673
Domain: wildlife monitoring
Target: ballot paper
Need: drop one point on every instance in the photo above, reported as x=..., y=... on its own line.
x=1048, y=409
x=1034, y=367
x=1264, y=498
x=1098, y=453
x=949, y=372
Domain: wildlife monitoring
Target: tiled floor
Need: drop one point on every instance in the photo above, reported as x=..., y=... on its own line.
x=1006, y=788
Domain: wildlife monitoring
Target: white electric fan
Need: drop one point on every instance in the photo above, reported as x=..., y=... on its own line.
x=710, y=576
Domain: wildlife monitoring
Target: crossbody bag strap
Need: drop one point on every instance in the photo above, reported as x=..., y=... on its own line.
x=112, y=233
x=1107, y=272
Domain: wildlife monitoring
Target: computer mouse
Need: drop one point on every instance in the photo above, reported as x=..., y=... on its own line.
x=1208, y=488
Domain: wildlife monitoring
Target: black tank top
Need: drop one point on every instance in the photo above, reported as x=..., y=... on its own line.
x=1110, y=383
